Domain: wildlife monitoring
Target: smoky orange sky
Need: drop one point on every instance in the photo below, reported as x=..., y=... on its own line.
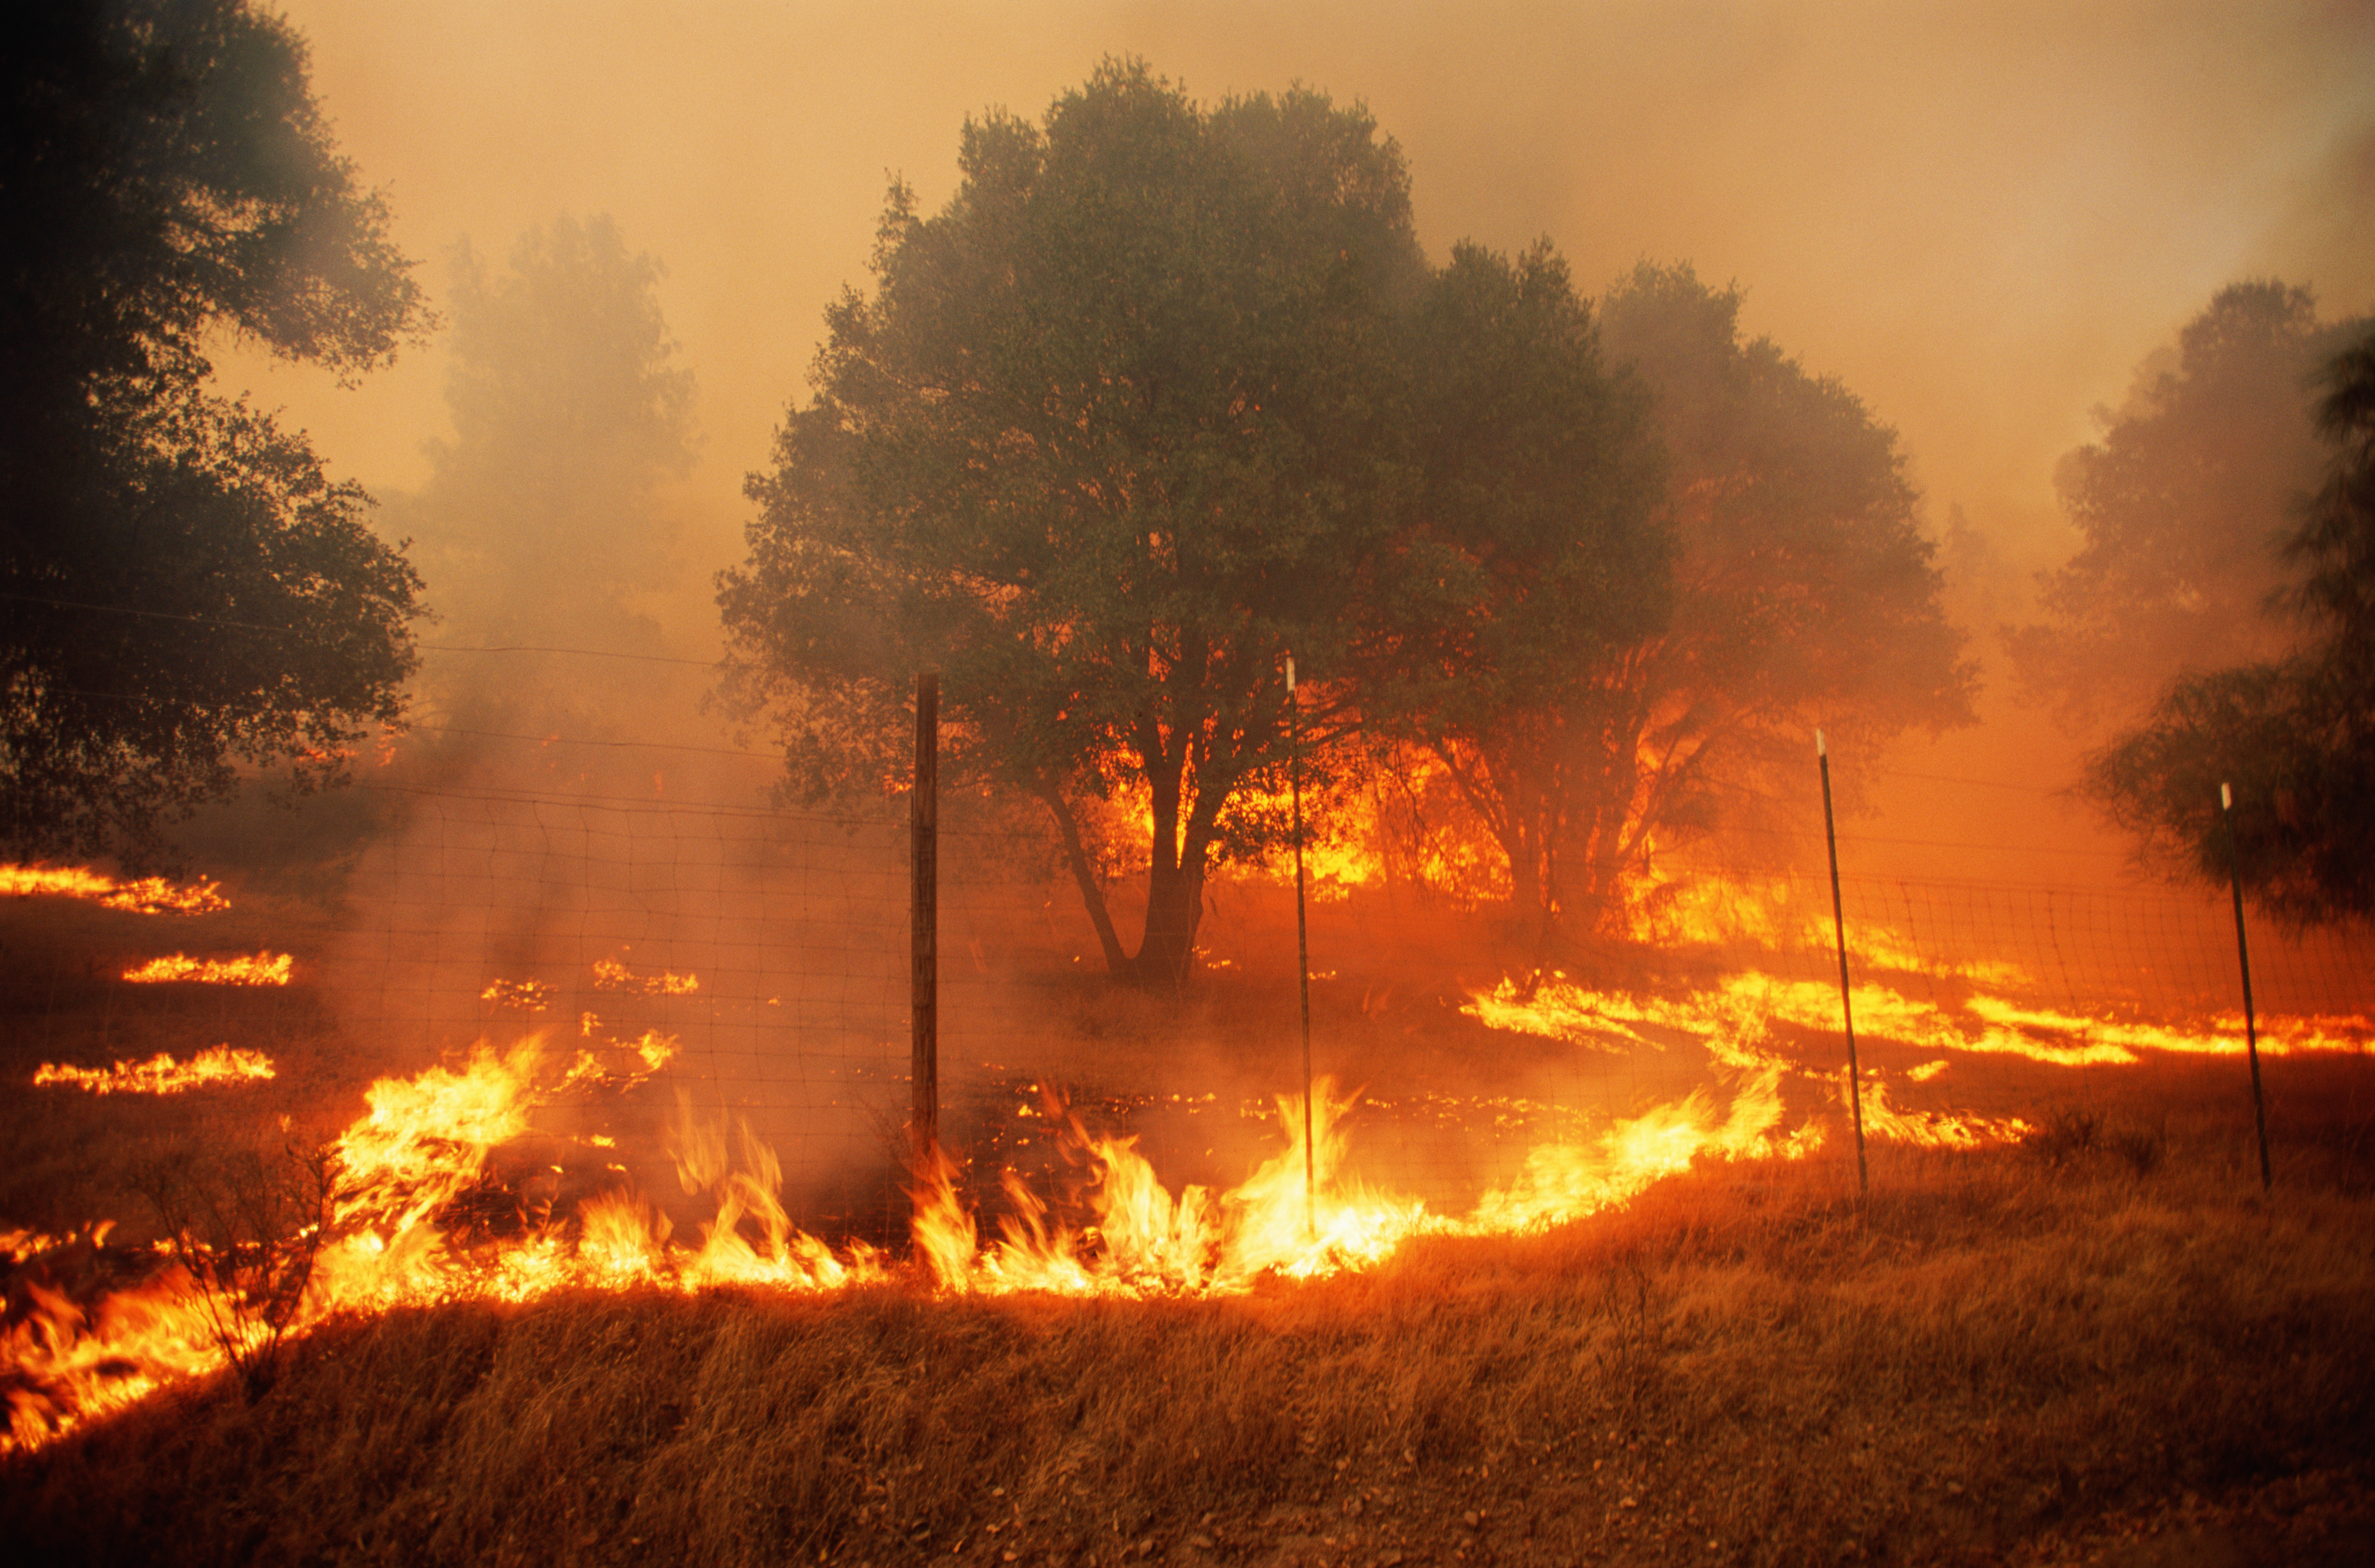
x=1979, y=217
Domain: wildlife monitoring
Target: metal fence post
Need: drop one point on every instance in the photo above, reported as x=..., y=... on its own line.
x=923, y=820
x=1847, y=1001
x=2243, y=953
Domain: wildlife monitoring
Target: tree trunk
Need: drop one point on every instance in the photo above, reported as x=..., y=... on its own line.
x=1076, y=854
x=1174, y=908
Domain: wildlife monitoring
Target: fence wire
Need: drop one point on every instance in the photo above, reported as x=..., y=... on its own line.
x=770, y=950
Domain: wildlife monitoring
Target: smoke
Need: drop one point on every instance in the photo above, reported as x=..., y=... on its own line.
x=1978, y=221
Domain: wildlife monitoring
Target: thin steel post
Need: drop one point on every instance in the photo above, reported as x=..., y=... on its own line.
x=2244, y=954
x=1847, y=1000
x=924, y=862
x=1302, y=944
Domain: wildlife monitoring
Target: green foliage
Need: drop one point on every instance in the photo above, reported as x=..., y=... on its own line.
x=184, y=591
x=2183, y=504
x=1111, y=437
x=2295, y=737
x=1532, y=567
x=1805, y=594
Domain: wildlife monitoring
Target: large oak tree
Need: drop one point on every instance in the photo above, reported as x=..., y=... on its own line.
x=1534, y=563
x=184, y=592
x=1112, y=435
x=1805, y=594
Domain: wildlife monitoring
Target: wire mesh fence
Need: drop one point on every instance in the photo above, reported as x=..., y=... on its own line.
x=769, y=950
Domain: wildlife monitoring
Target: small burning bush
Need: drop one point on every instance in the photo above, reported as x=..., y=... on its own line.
x=243, y=1229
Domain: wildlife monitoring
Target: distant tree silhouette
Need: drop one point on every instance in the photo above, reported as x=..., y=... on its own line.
x=541, y=520
x=2294, y=735
x=2183, y=506
x=1805, y=594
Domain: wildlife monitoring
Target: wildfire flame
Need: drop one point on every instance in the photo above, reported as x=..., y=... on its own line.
x=424, y=1144
x=149, y=895
x=520, y=995
x=264, y=968
x=161, y=1074
x=1739, y=1010
x=609, y=974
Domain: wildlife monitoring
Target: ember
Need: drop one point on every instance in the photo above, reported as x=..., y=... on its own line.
x=519, y=996
x=609, y=974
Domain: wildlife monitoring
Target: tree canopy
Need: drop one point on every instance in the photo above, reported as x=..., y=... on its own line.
x=1164, y=393
x=184, y=590
x=1111, y=437
x=1533, y=562
x=1805, y=594
x=2181, y=507
x=2295, y=736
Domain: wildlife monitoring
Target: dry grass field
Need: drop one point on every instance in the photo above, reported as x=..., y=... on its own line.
x=2101, y=1344
x=2008, y=1359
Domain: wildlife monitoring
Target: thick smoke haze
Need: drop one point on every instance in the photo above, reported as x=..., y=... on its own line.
x=1981, y=219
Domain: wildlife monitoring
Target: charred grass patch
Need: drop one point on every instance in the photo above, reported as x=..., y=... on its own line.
x=2004, y=1358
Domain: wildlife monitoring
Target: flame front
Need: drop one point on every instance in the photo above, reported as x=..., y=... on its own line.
x=423, y=1145
x=161, y=1074
x=1740, y=1009
x=420, y=1209
x=149, y=895
x=264, y=968
x=421, y=1153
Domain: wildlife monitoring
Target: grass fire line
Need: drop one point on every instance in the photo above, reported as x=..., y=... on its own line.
x=425, y=1141
x=161, y=1073
x=149, y=895
x=2014, y=1361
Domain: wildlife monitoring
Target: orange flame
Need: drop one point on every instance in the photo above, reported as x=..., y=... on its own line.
x=161, y=1074
x=1736, y=1014
x=149, y=895
x=426, y=1142
x=422, y=1143
x=609, y=974
x=520, y=995
x=1146, y=1241
x=264, y=968
x=1934, y=1129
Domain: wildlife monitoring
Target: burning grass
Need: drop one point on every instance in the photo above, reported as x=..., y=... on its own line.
x=2010, y=1359
x=1742, y=1008
x=264, y=968
x=161, y=1074
x=147, y=895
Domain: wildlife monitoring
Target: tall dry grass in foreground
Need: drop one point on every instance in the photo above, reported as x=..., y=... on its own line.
x=2010, y=1359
